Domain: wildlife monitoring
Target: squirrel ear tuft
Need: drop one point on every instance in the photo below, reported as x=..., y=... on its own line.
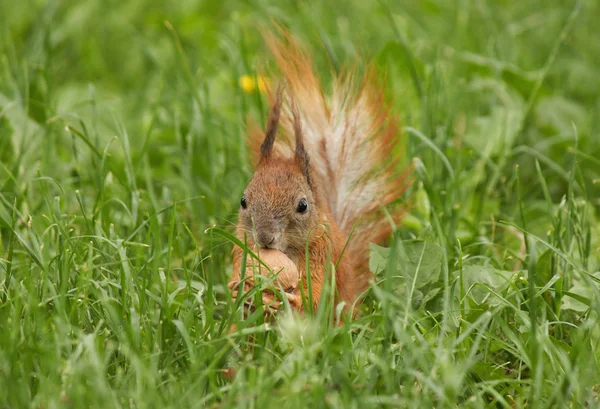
x=301, y=154
x=266, y=148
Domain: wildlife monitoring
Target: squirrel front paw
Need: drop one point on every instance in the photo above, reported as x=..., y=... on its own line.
x=295, y=301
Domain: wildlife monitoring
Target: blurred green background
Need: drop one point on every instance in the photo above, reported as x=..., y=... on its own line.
x=122, y=140
x=489, y=75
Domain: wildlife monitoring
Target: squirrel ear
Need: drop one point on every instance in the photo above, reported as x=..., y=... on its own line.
x=266, y=148
x=301, y=154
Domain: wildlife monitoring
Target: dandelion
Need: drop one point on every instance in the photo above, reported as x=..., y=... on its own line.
x=249, y=83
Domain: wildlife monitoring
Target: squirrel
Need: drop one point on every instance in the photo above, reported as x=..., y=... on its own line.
x=321, y=185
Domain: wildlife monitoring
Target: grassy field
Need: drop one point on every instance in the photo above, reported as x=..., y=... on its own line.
x=122, y=161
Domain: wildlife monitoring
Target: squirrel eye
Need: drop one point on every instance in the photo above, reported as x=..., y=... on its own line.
x=302, y=206
x=243, y=202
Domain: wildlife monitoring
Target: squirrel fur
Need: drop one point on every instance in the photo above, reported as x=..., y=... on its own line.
x=323, y=181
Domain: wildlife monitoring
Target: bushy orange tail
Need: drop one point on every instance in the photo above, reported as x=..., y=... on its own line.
x=352, y=139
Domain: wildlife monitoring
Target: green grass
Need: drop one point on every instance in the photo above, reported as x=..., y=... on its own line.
x=121, y=148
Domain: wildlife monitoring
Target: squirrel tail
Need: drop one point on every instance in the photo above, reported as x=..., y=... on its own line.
x=353, y=141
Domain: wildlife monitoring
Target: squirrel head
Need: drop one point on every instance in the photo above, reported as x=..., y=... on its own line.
x=279, y=207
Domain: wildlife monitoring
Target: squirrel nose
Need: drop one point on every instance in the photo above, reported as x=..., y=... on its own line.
x=265, y=239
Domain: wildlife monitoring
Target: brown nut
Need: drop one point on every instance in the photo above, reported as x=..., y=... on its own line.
x=288, y=276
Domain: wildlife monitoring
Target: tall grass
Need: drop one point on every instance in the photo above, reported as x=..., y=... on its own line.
x=122, y=160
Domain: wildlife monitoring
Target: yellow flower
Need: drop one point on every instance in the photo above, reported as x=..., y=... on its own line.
x=249, y=83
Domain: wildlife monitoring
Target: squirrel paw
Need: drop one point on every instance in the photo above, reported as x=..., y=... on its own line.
x=295, y=301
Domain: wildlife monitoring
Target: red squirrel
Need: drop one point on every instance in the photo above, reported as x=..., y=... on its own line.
x=323, y=182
